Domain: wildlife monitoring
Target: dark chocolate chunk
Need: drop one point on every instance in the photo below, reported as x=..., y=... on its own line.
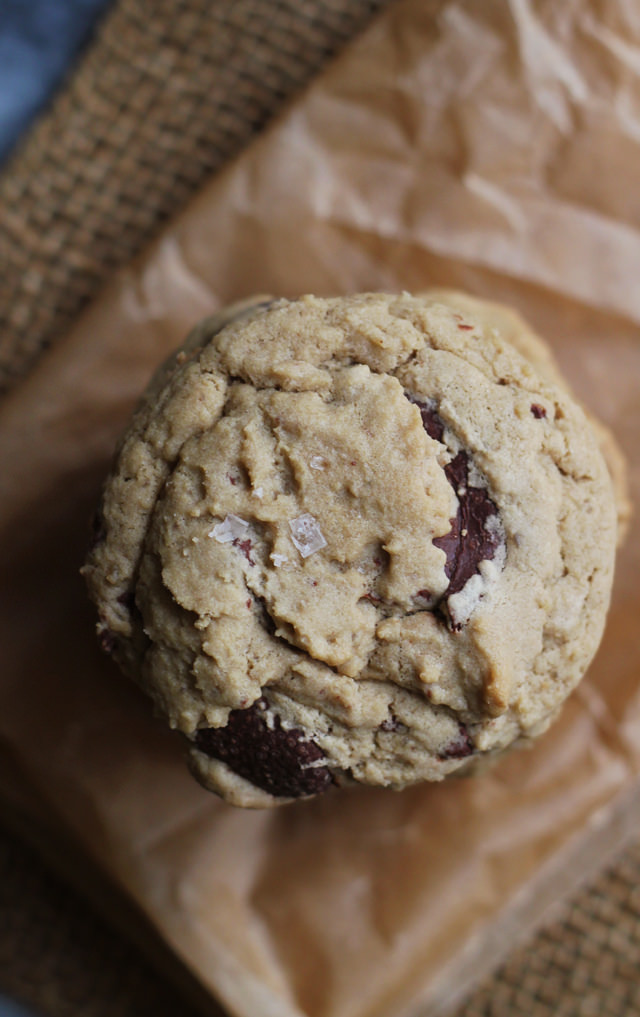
x=538, y=411
x=284, y=763
x=468, y=542
x=432, y=423
x=460, y=747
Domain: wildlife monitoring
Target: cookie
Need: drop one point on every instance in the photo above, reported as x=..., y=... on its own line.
x=366, y=539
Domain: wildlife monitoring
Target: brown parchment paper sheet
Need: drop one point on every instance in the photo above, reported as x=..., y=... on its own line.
x=494, y=147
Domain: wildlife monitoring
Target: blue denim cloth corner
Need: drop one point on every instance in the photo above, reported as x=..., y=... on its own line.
x=7, y=1007
x=39, y=40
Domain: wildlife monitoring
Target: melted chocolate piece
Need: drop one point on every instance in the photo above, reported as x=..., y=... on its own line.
x=460, y=747
x=283, y=763
x=468, y=542
x=432, y=423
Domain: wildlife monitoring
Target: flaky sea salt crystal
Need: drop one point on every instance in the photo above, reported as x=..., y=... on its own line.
x=279, y=559
x=258, y=492
x=306, y=534
x=317, y=463
x=231, y=528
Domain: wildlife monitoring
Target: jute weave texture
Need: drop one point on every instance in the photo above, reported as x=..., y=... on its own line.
x=159, y=103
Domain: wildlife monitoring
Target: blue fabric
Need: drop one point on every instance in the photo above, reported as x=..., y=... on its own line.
x=7, y=1008
x=38, y=41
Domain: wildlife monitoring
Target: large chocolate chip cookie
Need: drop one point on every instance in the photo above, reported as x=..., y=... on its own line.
x=356, y=539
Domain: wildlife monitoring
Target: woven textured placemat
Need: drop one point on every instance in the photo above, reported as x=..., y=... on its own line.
x=116, y=155
x=584, y=963
x=158, y=103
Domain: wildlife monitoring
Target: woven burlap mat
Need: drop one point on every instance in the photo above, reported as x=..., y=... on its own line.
x=120, y=151
x=115, y=156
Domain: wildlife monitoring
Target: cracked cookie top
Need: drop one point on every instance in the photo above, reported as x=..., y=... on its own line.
x=355, y=539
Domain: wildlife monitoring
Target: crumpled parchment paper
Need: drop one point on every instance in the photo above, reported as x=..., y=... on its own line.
x=492, y=147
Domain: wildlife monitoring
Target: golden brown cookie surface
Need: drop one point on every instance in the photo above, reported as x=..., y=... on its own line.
x=353, y=539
